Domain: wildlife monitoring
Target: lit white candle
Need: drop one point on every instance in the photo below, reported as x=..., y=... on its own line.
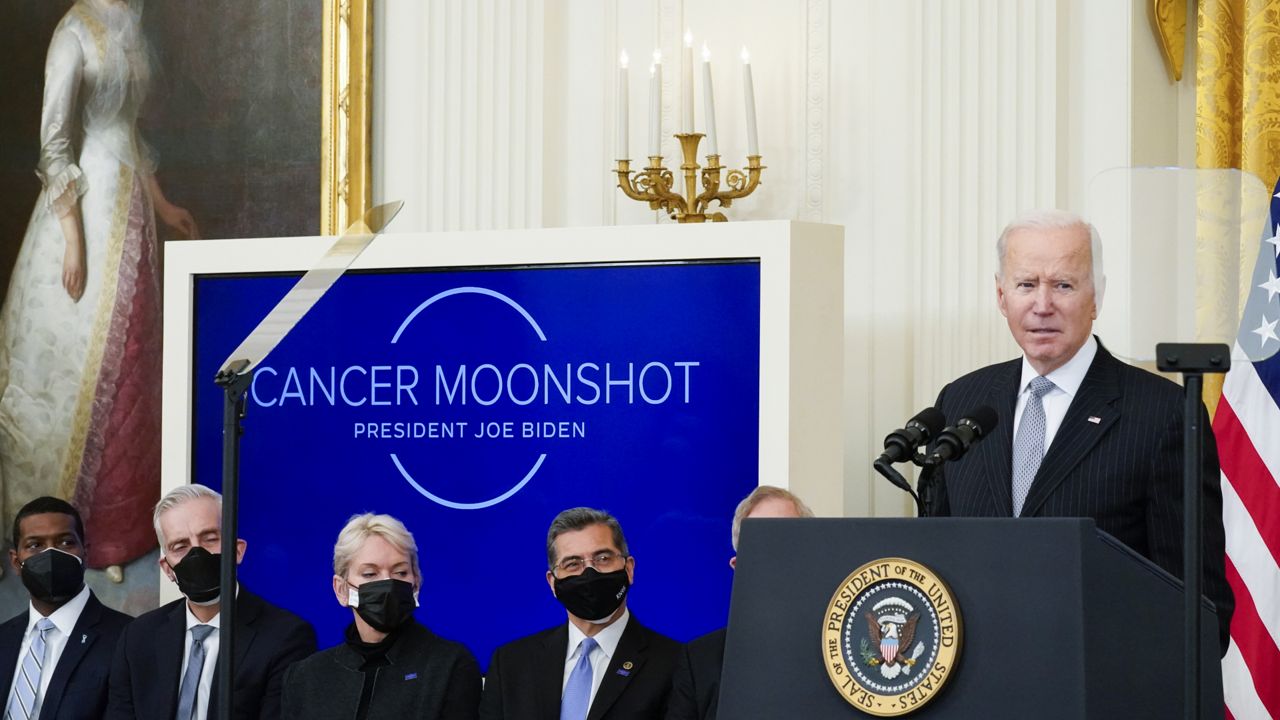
x=623, y=151
x=748, y=89
x=655, y=105
x=686, y=85
x=708, y=102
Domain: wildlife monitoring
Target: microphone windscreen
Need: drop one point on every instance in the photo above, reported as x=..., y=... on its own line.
x=932, y=419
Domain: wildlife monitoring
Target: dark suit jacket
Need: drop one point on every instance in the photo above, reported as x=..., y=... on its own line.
x=695, y=689
x=78, y=688
x=1117, y=458
x=428, y=678
x=526, y=676
x=145, y=675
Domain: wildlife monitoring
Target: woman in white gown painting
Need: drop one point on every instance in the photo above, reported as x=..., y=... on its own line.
x=80, y=327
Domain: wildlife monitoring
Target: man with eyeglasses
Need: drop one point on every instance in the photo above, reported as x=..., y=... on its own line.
x=600, y=665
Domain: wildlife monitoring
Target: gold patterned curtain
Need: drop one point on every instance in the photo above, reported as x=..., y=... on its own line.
x=1237, y=95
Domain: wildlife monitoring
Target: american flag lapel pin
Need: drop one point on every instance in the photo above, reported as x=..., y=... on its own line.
x=1095, y=419
x=411, y=676
x=625, y=670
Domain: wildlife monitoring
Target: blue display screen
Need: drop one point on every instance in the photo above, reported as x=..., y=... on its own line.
x=474, y=405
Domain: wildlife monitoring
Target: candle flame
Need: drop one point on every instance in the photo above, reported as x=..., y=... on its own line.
x=623, y=59
x=706, y=53
x=688, y=38
x=746, y=57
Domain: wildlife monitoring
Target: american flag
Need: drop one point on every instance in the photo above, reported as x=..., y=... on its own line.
x=1247, y=427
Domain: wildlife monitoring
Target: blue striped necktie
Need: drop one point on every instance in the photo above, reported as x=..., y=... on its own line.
x=25, y=689
x=577, y=692
x=191, y=679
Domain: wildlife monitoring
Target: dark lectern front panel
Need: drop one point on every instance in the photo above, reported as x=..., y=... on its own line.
x=1030, y=594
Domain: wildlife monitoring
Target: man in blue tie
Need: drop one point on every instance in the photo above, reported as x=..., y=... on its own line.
x=1080, y=433
x=54, y=658
x=165, y=664
x=600, y=665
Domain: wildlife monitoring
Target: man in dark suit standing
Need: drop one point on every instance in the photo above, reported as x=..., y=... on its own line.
x=695, y=687
x=1080, y=433
x=165, y=664
x=55, y=658
x=602, y=664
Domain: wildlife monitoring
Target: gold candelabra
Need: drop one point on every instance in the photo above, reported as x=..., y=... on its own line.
x=656, y=184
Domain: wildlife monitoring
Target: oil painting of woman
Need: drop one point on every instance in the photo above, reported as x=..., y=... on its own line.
x=80, y=325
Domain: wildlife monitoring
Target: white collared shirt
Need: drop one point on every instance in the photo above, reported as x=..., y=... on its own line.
x=1066, y=379
x=607, y=639
x=64, y=621
x=211, y=643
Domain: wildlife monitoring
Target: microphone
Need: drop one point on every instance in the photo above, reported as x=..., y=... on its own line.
x=901, y=444
x=956, y=440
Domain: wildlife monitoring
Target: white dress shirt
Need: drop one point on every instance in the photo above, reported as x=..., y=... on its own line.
x=210, y=660
x=607, y=639
x=1066, y=379
x=64, y=621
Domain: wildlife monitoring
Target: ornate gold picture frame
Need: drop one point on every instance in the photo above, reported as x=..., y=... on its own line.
x=346, y=187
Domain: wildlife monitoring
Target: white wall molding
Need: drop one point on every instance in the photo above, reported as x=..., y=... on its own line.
x=817, y=85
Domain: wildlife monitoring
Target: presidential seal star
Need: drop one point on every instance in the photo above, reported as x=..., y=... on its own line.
x=1267, y=331
x=1272, y=286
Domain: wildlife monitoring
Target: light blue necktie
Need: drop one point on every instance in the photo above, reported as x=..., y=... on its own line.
x=23, y=700
x=1028, y=446
x=577, y=692
x=191, y=679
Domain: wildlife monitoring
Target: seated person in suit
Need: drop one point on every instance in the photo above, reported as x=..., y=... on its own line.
x=1080, y=433
x=55, y=656
x=165, y=663
x=601, y=665
x=695, y=687
x=390, y=666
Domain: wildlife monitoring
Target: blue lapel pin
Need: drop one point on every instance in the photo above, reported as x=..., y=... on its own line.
x=411, y=676
x=625, y=670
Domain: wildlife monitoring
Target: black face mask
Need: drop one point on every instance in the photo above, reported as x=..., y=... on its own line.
x=199, y=576
x=53, y=576
x=384, y=604
x=593, y=595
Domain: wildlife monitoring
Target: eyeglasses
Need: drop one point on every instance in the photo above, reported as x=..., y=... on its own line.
x=604, y=561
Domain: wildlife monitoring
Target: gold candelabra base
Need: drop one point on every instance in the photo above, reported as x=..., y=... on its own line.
x=655, y=184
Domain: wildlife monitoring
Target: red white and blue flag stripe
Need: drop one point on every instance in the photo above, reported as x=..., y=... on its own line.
x=1247, y=427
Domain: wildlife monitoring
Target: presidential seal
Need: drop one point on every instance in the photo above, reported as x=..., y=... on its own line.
x=891, y=637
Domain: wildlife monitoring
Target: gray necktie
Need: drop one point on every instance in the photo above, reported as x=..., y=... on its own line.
x=1028, y=446
x=191, y=679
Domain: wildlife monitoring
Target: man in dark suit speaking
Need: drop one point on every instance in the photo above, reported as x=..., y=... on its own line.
x=54, y=658
x=1080, y=433
x=601, y=665
x=165, y=665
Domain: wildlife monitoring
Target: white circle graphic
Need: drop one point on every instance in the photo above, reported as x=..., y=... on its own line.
x=468, y=290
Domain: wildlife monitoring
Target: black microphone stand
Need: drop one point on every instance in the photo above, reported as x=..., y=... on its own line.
x=926, y=483
x=236, y=385
x=1193, y=360
x=923, y=494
